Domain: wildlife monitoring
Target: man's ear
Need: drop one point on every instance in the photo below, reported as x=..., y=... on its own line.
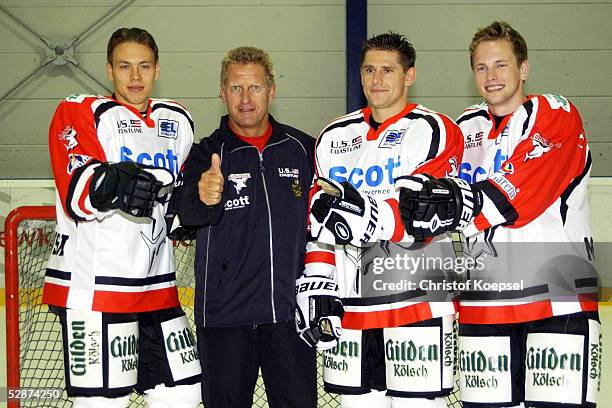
x=222, y=93
x=109, y=71
x=524, y=68
x=410, y=76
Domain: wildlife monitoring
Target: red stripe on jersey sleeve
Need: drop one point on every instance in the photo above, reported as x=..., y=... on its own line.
x=398, y=229
x=481, y=222
x=320, y=257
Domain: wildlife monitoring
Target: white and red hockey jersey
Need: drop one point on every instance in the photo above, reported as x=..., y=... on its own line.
x=416, y=140
x=111, y=261
x=533, y=170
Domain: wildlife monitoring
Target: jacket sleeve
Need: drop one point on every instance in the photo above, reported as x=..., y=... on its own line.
x=186, y=202
x=75, y=152
x=539, y=171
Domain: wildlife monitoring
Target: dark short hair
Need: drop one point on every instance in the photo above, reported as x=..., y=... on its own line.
x=500, y=30
x=391, y=42
x=134, y=34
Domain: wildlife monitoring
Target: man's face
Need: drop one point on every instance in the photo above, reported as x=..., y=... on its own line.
x=385, y=84
x=498, y=76
x=133, y=72
x=247, y=95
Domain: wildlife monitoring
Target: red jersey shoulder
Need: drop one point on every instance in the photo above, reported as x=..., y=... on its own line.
x=558, y=118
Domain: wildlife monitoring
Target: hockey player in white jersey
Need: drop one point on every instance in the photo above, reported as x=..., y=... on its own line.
x=528, y=159
x=111, y=275
x=358, y=158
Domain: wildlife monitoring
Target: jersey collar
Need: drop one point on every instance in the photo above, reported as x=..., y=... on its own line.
x=373, y=134
x=147, y=120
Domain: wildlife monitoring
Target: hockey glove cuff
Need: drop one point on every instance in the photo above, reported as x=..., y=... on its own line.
x=340, y=214
x=319, y=311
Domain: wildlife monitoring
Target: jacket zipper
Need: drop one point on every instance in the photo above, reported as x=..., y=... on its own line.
x=263, y=179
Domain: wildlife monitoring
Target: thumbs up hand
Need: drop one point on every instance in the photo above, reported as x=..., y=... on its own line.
x=210, y=186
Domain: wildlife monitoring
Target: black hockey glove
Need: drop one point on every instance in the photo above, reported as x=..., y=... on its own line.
x=430, y=206
x=131, y=187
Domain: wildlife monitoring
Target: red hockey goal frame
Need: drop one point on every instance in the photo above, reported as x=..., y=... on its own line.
x=11, y=237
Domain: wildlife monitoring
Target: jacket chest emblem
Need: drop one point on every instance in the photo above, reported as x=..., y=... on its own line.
x=239, y=180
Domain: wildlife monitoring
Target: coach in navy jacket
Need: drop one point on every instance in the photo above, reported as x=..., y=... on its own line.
x=250, y=249
x=246, y=190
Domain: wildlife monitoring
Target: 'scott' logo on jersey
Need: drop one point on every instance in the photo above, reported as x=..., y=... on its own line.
x=168, y=128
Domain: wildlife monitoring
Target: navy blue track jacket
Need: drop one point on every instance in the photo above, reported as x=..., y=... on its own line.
x=250, y=247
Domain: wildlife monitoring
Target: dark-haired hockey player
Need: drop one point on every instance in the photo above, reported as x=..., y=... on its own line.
x=358, y=158
x=111, y=275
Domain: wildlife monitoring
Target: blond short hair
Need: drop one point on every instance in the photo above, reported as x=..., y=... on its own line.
x=248, y=55
x=500, y=30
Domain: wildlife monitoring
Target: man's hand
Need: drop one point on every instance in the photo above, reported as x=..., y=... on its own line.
x=210, y=186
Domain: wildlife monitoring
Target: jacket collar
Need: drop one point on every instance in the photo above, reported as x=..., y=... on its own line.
x=232, y=141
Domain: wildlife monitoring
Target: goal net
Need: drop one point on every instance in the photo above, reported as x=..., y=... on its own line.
x=34, y=339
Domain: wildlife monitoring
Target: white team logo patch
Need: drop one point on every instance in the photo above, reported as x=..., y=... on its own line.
x=122, y=354
x=342, y=364
x=392, y=137
x=181, y=349
x=69, y=136
x=484, y=369
x=541, y=145
x=168, y=128
x=239, y=180
x=412, y=359
x=558, y=101
x=554, y=366
x=84, y=348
